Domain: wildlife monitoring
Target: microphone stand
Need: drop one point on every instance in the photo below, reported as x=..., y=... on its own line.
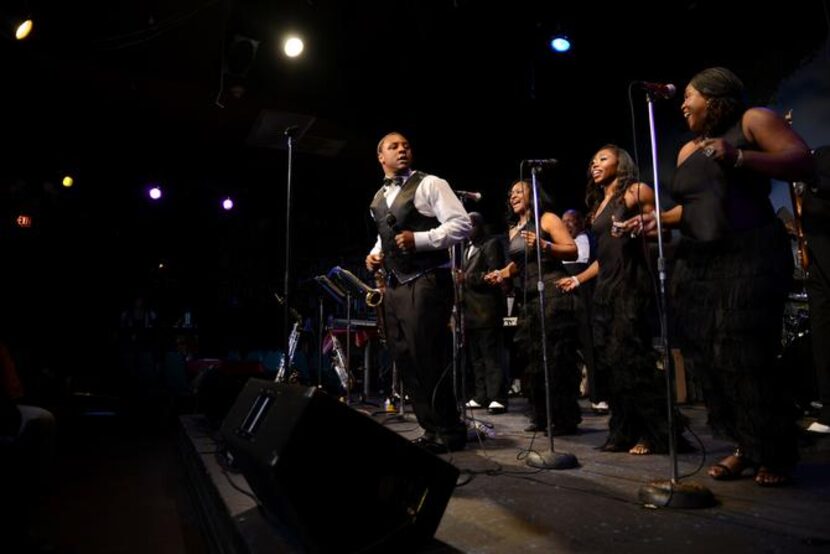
x=671, y=493
x=348, y=348
x=289, y=133
x=550, y=459
x=458, y=335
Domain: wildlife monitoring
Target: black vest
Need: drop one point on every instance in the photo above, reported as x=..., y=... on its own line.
x=404, y=216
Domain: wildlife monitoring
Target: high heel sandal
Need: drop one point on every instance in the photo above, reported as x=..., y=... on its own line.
x=729, y=468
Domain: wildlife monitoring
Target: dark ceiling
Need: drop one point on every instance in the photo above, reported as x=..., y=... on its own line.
x=122, y=93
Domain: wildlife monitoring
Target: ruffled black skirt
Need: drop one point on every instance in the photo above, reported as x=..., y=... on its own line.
x=622, y=314
x=561, y=342
x=729, y=300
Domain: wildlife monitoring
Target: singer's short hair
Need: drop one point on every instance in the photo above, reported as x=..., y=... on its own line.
x=386, y=136
x=545, y=202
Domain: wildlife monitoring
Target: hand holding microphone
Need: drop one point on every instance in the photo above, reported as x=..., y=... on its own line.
x=405, y=240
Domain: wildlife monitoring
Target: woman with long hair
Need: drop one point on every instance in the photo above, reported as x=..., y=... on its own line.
x=623, y=305
x=560, y=319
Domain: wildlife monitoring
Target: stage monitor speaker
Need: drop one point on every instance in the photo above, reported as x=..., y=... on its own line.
x=337, y=478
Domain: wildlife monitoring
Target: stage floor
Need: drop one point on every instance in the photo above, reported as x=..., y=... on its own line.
x=503, y=505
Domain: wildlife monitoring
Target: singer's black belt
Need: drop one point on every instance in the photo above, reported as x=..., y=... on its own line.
x=392, y=280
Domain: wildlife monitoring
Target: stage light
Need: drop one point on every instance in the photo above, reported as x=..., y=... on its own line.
x=155, y=192
x=560, y=43
x=293, y=46
x=24, y=221
x=68, y=181
x=23, y=29
x=227, y=203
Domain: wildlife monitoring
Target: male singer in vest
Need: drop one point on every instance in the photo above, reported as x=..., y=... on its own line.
x=418, y=218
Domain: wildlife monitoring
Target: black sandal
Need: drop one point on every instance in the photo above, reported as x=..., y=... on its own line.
x=729, y=468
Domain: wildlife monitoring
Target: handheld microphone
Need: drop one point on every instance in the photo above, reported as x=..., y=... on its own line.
x=663, y=91
x=467, y=195
x=291, y=131
x=550, y=162
x=392, y=221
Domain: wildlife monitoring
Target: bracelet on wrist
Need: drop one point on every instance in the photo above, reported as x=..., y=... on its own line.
x=575, y=279
x=739, y=159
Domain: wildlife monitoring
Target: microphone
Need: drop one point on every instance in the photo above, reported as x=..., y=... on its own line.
x=392, y=221
x=546, y=161
x=467, y=195
x=291, y=131
x=660, y=90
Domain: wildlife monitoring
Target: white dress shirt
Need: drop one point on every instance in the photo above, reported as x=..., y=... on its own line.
x=583, y=250
x=434, y=198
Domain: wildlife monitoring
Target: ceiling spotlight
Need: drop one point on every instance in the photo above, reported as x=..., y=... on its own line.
x=22, y=29
x=293, y=46
x=155, y=192
x=68, y=181
x=227, y=203
x=560, y=43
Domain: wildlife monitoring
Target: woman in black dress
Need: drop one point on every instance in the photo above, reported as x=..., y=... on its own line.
x=733, y=269
x=623, y=303
x=560, y=318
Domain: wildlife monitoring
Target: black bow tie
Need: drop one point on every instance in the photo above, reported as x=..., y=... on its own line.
x=391, y=181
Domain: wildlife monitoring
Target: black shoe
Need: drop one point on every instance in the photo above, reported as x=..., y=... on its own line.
x=439, y=446
x=535, y=428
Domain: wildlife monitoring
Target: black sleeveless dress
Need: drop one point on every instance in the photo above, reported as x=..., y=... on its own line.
x=731, y=278
x=623, y=312
x=560, y=333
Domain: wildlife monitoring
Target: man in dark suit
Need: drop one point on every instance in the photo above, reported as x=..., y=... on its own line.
x=484, y=308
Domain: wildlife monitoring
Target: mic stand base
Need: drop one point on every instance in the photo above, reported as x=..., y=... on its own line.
x=686, y=495
x=552, y=460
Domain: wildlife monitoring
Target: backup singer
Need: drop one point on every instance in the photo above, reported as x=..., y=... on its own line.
x=418, y=217
x=623, y=302
x=560, y=319
x=733, y=269
x=484, y=307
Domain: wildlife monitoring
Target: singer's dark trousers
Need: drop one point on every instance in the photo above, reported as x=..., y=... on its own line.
x=818, y=290
x=417, y=322
x=485, y=345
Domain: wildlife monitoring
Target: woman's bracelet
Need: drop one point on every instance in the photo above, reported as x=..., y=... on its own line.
x=575, y=279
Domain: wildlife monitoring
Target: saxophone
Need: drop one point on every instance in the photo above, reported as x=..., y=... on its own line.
x=797, y=198
x=339, y=362
x=288, y=358
x=380, y=284
x=349, y=280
